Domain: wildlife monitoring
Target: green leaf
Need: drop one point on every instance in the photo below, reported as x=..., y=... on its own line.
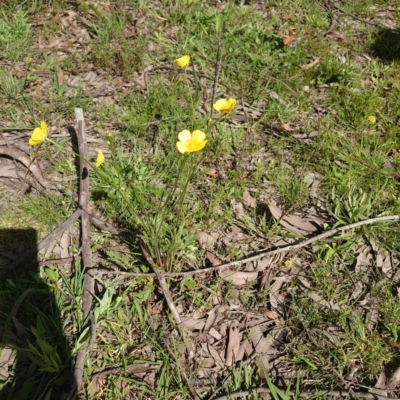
x=53, y=275
x=219, y=19
x=82, y=339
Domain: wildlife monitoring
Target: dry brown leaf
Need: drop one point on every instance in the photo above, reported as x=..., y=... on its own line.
x=193, y=324
x=336, y=35
x=238, y=278
x=213, y=316
x=357, y=291
x=288, y=39
x=215, y=334
x=205, y=365
x=205, y=240
x=248, y=199
x=293, y=223
x=60, y=76
x=7, y=358
x=268, y=313
x=381, y=384
x=233, y=346
x=212, y=351
x=387, y=267
x=275, y=298
x=214, y=260
x=287, y=128
x=364, y=259
x=320, y=300
x=262, y=345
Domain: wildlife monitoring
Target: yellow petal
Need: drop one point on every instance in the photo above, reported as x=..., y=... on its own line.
x=100, y=158
x=37, y=137
x=225, y=106
x=34, y=142
x=183, y=62
x=231, y=103
x=219, y=105
x=198, y=136
x=43, y=126
x=184, y=136
x=372, y=119
x=201, y=145
x=182, y=147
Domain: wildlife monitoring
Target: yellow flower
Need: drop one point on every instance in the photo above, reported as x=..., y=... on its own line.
x=109, y=134
x=372, y=119
x=189, y=142
x=225, y=106
x=39, y=134
x=183, y=62
x=100, y=158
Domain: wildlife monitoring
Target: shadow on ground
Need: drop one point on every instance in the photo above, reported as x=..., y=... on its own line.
x=387, y=46
x=35, y=361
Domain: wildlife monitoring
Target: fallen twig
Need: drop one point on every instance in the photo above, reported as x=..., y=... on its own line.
x=88, y=289
x=279, y=250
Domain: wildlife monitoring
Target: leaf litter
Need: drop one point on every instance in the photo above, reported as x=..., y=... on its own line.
x=227, y=333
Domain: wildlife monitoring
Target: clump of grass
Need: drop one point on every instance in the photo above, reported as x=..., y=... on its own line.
x=15, y=36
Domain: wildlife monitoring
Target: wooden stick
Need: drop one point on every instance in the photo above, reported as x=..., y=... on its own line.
x=88, y=289
x=268, y=253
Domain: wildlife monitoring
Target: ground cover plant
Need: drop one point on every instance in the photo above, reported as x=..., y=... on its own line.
x=199, y=199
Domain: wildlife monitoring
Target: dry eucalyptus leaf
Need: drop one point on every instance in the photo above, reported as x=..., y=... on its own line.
x=248, y=199
x=206, y=240
x=193, y=324
x=364, y=259
x=7, y=358
x=214, y=260
x=358, y=290
x=293, y=223
x=394, y=379
x=238, y=278
x=320, y=300
x=212, y=318
x=215, y=355
x=387, y=267
x=232, y=348
x=262, y=345
x=275, y=298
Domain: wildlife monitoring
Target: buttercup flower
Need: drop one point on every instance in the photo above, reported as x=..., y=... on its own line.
x=109, y=134
x=225, y=106
x=190, y=142
x=39, y=134
x=183, y=62
x=372, y=119
x=100, y=158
